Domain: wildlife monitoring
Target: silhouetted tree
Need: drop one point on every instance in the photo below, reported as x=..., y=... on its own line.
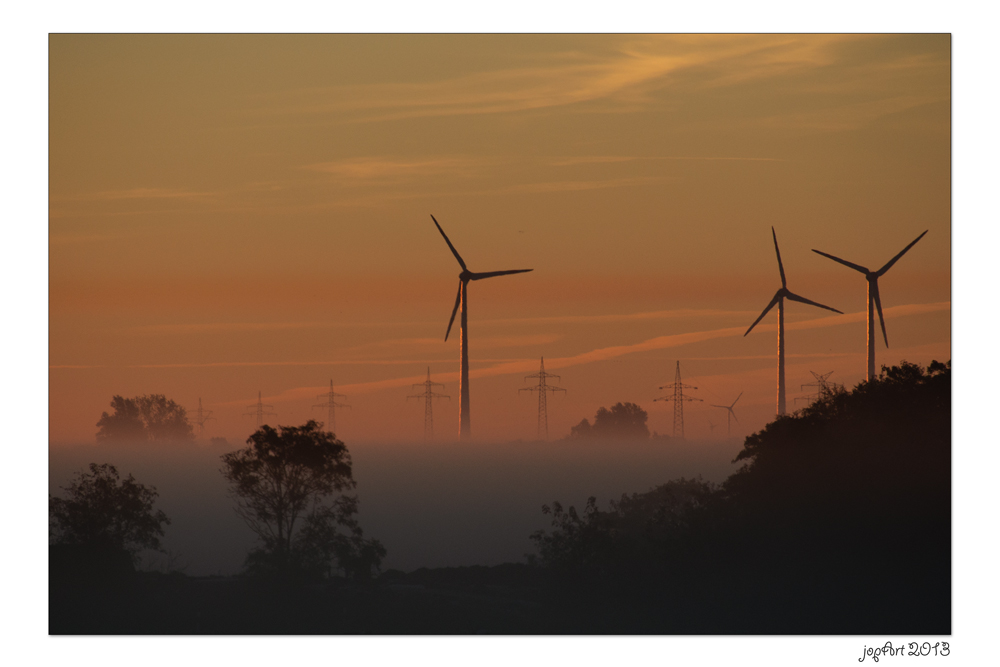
x=622, y=421
x=581, y=430
x=847, y=496
x=152, y=417
x=289, y=488
x=105, y=511
x=637, y=535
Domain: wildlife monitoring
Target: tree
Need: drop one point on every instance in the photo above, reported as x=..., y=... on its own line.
x=106, y=511
x=289, y=486
x=581, y=430
x=623, y=420
x=152, y=417
x=848, y=495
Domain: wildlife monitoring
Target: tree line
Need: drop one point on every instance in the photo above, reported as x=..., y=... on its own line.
x=838, y=520
x=291, y=487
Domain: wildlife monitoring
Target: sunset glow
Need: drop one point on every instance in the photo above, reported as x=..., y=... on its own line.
x=235, y=213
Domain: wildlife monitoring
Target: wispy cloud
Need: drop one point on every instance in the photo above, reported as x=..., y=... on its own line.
x=546, y=84
x=506, y=366
x=485, y=342
x=624, y=317
x=227, y=327
x=397, y=169
x=339, y=362
x=608, y=353
x=140, y=193
x=617, y=159
x=576, y=186
x=623, y=78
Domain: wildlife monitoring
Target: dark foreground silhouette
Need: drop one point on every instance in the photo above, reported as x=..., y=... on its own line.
x=839, y=522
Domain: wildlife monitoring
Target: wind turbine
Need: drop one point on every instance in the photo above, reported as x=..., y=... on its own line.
x=462, y=298
x=872, y=278
x=731, y=413
x=779, y=299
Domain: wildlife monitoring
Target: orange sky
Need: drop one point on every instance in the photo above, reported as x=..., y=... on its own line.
x=234, y=214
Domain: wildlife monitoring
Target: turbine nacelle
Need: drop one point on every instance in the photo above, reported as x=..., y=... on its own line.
x=785, y=293
x=872, y=278
x=466, y=276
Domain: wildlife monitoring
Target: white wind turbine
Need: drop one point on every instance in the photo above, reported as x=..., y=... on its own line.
x=731, y=413
x=873, y=298
x=465, y=428
x=779, y=300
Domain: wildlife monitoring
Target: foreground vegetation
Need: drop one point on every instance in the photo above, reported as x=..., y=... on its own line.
x=838, y=522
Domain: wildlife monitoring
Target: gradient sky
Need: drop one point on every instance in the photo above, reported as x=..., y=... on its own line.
x=234, y=214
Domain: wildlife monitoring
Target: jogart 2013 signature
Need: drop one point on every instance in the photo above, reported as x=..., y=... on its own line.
x=939, y=648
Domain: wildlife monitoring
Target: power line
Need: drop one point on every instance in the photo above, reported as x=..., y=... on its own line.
x=679, y=399
x=429, y=395
x=331, y=405
x=543, y=388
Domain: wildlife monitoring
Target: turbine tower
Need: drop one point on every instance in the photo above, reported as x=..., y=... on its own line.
x=678, y=398
x=429, y=395
x=543, y=388
x=873, y=298
x=259, y=410
x=730, y=415
x=779, y=299
x=465, y=428
x=201, y=417
x=331, y=405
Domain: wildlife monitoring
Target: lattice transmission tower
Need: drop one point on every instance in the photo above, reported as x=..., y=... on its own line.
x=823, y=388
x=331, y=406
x=259, y=410
x=543, y=389
x=428, y=395
x=679, y=398
x=201, y=417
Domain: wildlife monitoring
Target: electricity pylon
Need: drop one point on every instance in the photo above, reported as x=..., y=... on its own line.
x=331, y=405
x=823, y=387
x=201, y=417
x=429, y=395
x=543, y=388
x=259, y=410
x=678, y=398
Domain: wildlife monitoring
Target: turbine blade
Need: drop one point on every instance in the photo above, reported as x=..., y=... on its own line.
x=734, y=415
x=458, y=300
x=856, y=267
x=461, y=262
x=802, y=299
x=734, y=402
x=878, y=306
x=777, y=252
x=771, y=305
x=491, y=274
x=892, y=261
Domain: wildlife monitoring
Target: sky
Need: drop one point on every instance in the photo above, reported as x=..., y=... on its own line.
x=234, y=214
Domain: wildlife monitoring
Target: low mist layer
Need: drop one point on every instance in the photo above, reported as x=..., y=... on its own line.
x=431, y=505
